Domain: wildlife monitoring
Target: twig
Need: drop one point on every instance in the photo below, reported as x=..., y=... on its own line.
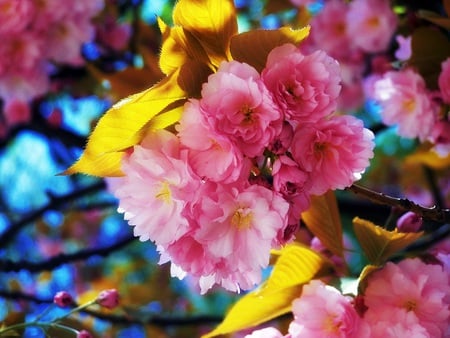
x=434, y=213
x=7, y=265
x=55, y=203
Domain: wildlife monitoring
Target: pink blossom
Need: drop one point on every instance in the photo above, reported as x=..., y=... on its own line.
x=404, y=51
x=108, y=298
x=268, y=332
x=335, y=151
x=409, y=222
x=16, y=112
x=293, y=184
x=371, y=24
x=282, y=142
x=84, y=334
x=63, y=299
x=440, y=136
x=413, y=287
x=24, y=85
x=158, y=187
x=329, y=30
x=237, y=104
x=306, y=87
x=444, y=80
x=113, y=34
x=322, y=311
x=15, y=15
x=352, y=95
x=211, y=155
x=401, y=324
x=406, y=102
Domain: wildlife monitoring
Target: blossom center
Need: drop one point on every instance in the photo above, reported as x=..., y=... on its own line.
x=164, y=192
x=409, y=105
x=373, y=22
x=247, y=112
x=410, y=305
x=242, y=218
x=330, y=325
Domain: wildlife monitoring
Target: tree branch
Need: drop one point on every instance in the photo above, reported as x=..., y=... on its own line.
x=434, y=213
x=7, y=265
x=56, y=202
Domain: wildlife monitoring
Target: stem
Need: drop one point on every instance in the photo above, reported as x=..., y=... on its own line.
x=434, y=213
x=38, y=324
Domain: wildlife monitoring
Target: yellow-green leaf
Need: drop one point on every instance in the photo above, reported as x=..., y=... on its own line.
x=429, y=158
x=296, y=266
x=253, y=47
x=379, y=244
x=178, y=47
x=323, y=220
x=211, y=22
x=120, y=128
x=365, y=273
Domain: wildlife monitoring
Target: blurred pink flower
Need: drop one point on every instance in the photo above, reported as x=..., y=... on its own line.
x=404, y=51
x=211, y=155
x=113, y=34
x=371, y=24
x=421, y=290
x=16, y=112
x=322, y=311
x=108, y=298
x=406, y=102
x=440, y=136
x=84, y=334
x=334, y=152
x=444, y=80
x=305, y=87
x=409, y=222
x=63, y=299
x=401, y=324
x=24, y=85
x=15, y=16
x=157, y=188
x=238, y=105
x=268, y=332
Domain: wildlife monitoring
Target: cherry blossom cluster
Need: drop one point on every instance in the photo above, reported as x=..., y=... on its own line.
x=35, y=36
x=232, y=182
x=408, y=299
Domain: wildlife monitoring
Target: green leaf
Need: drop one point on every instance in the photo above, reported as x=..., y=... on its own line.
x=296, y=266
x=254, y=46
x=211, y=22
x=323, y=220
x=430, y=47
x=379, y=244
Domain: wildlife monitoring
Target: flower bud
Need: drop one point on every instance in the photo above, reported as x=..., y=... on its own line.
x=409, y=222
x=108, y=298
x=84, y=334
x=63, y=299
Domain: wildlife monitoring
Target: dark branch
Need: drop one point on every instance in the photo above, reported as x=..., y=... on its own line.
x=56, y=203
x=432, y=214
x=7, y=265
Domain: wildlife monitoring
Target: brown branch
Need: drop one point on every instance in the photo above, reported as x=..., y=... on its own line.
x=433, y=214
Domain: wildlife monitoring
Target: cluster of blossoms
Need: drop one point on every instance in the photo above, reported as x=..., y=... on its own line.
x=35, y=36
x=408, y=299
x=232, y=183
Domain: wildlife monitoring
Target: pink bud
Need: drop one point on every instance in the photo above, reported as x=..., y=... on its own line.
x=409, y=222
x=84, y=334
x=108, y=298
x=63, y=299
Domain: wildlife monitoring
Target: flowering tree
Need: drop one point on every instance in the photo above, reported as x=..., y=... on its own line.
x=263, y=151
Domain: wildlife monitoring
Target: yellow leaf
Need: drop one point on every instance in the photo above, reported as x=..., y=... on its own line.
x=379, y=244
x=324, y=221
x=211, y=22
x=296, y=266
x=253, y=47
x=178, y=47
x=429, y=158
x=365, y=273
x=120, y=128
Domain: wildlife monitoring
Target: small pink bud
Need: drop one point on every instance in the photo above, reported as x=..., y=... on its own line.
x=63, y=299
x=84, y=334
x=409, y=222
x=108, y=298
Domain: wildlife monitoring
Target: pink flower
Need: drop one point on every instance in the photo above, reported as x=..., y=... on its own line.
x=237, y=104
x=406, y=102
x=413, y=287
x=440, y=136
x=158, y=187
x=409, y=222
x=401, y=324
x=444, y=80
x=113, y=34
x=108, y=298
x=305, y=87
x=371, y=24
x=63, y=299
x=84, y=334
x=334, y=152
x=293, y=184
x=15, y=15
x=322, y=311
x=268, y=332
x=232, y=233
x=283, y=141
x=329, y=30
x=403, y=52
x=211, y=155
x=16, y=112
x=24, y=85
